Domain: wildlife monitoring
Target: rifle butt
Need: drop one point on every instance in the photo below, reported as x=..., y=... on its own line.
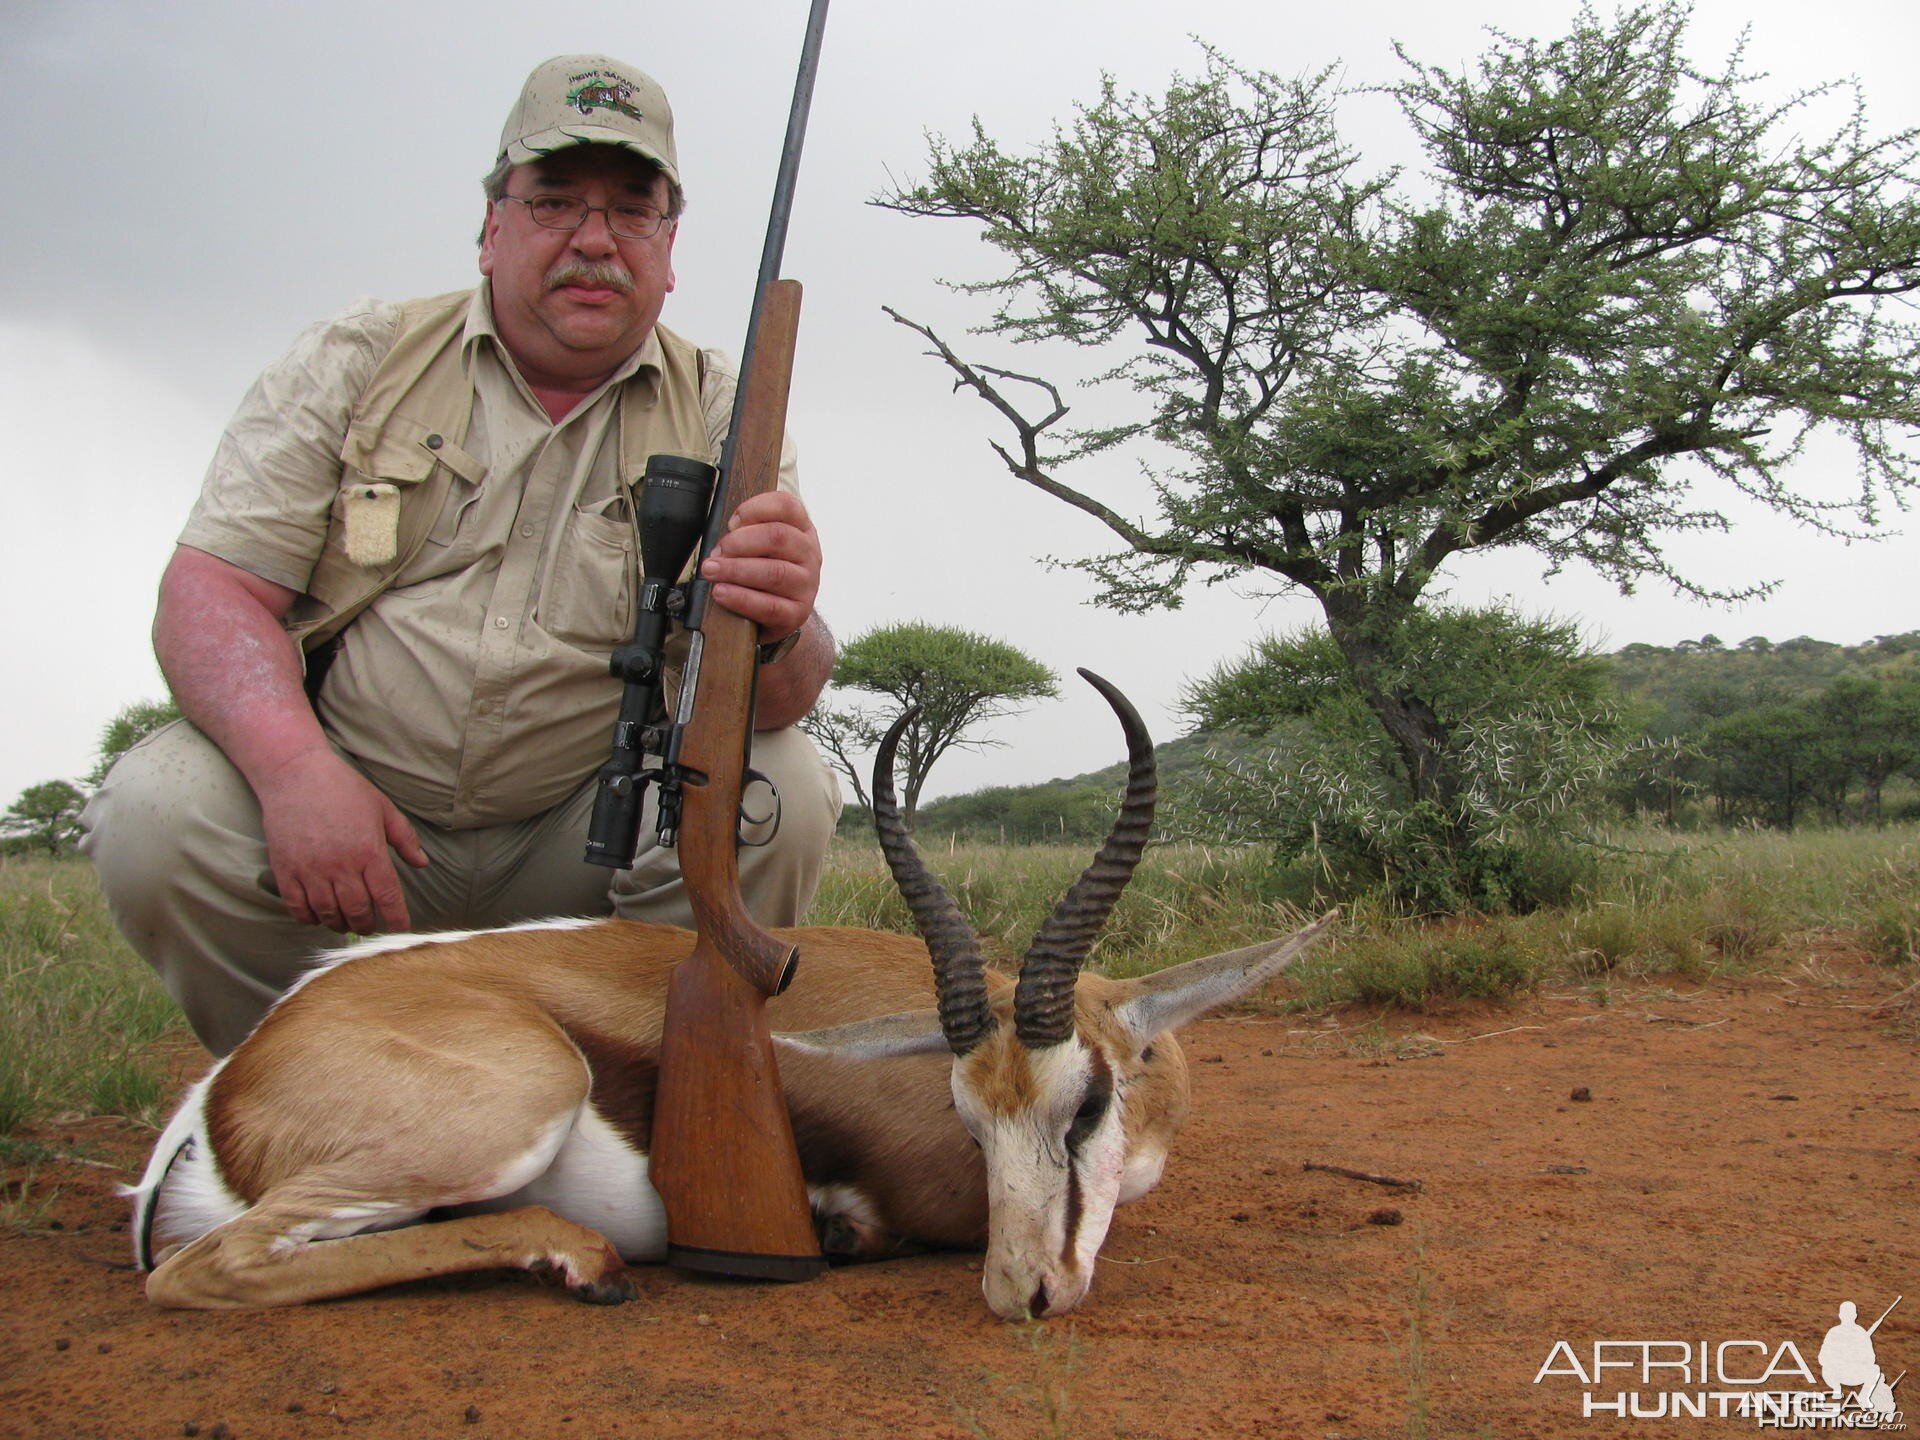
x=723, y=1157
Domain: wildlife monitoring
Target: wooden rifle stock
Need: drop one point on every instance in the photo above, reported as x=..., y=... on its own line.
x=722, y=1156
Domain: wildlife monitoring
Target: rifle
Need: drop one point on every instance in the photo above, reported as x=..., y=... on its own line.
x=722, y=1154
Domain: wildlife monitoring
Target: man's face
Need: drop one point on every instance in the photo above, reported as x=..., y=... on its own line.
x=572, y=305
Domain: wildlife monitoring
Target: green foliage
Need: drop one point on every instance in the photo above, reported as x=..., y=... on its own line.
x=1416, y=968
x=957, y=681
x=132, y=725
x=45, y=817
x=1617, y=268
x=1530, y=730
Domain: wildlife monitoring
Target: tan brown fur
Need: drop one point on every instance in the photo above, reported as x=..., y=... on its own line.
x=400, y=1082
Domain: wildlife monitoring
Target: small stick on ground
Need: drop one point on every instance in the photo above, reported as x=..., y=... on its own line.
x=1899, y=1001
x=1386, y=1180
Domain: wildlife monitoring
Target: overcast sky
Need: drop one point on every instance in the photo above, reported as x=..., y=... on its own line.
x=191, y=184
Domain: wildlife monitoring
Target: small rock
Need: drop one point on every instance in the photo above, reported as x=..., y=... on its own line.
x=1783, y=1097
x=703, y=1319
x=1242, y=1218
x=192, y=1427
x=63, y=1343
x=220, y=1431
x=1581, y=1093
x=294, y=1407
x=105, y=1347
x=1386, y=1216
x=473, y=1414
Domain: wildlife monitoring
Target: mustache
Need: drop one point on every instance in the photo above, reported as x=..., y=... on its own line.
x=609, y=273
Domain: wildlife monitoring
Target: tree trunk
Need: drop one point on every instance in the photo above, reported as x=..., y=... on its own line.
x=1421, y=740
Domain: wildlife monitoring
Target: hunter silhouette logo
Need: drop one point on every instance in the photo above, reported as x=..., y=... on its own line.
x=1766, y=1381
x=597, y=90
x=1849, y=1366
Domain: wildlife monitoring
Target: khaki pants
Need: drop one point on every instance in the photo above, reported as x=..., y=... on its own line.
x=175, y=835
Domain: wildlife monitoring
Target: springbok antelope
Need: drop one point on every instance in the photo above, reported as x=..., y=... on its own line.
x=501, y=1083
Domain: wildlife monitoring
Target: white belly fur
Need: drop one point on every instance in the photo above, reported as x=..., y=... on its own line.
x=597, y=1180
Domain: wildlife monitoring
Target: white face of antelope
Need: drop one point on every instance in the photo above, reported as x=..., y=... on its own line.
x=1051, y=1125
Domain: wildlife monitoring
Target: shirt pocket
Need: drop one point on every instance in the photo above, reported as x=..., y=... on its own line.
x=589, y=597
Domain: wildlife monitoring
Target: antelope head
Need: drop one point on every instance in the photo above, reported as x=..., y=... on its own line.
x=1072, y=1086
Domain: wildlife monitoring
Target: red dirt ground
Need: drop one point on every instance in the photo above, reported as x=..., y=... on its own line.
x=1749, y=1157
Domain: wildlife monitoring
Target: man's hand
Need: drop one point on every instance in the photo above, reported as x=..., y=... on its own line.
x=328, y=832
x=767, y=566
x=237, y=676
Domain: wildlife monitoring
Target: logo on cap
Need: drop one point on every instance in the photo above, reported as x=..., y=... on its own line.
x=599, y=92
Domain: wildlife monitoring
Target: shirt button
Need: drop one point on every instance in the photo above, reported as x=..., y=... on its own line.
x=527, y=531
x=499, y=622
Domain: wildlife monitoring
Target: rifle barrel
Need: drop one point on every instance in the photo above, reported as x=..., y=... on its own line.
x=1884, y=1313
x=771, y=253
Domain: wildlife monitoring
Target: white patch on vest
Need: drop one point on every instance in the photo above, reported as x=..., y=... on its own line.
x=372, y=512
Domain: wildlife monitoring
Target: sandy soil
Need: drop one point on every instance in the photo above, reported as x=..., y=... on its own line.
x=1746, y=1157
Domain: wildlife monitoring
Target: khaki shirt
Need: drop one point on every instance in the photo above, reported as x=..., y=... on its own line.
x=475, y=690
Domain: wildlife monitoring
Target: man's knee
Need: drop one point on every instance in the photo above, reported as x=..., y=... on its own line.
x=171, y=811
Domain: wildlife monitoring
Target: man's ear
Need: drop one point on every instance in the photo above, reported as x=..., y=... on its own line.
x=487, y=228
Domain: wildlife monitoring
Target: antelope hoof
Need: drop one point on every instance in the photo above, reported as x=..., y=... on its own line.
x=614, y=1289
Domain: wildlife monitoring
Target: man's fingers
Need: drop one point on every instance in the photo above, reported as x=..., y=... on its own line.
x=383, y=888
x=780, y=541
x=777, y=618
x=404, y=839
x=293, y=895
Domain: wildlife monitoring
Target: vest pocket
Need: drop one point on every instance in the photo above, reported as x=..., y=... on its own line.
x=589, y=595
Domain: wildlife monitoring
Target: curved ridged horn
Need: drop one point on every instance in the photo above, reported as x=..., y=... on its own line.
x=959, y=972
x=1043, y=1000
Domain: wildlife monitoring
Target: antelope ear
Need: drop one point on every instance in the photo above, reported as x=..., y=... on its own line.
x=1171, y=998
x=911, y=1032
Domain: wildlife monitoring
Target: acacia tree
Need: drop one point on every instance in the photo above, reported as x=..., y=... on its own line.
x=127, y=729
x=1538, y=731
x=955, y=679
x=1615, y=263
x=46, y=815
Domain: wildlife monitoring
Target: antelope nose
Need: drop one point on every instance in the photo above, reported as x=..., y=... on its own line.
x=1037, y=1306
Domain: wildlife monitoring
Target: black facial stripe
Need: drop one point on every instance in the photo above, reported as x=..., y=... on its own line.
x=1093, y=1105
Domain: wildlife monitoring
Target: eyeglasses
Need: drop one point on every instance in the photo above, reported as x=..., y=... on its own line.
x=564, y=212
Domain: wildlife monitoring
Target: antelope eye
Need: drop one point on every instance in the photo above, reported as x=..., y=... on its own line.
x=1088, y=1116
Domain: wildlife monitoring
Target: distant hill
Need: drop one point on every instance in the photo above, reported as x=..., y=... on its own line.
x=1701, y=680
x=1079, y=808
x=1672, y=691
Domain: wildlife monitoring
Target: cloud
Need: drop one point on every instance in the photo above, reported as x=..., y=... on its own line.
x=102, y=461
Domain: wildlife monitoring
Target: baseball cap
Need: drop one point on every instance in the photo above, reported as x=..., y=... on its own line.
x=589, y=100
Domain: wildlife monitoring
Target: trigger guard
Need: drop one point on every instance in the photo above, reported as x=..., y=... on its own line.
x=771, y=820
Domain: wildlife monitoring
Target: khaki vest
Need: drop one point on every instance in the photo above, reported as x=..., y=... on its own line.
x=402, y=450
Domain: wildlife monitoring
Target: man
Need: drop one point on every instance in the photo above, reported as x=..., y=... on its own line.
x=444, y=487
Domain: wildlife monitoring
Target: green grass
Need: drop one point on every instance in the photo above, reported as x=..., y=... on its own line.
x=1683, y=906
x=77, y=1008
x=78, y=1011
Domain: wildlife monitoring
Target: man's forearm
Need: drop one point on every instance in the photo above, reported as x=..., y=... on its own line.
x=231, y=666
x=789, y=687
